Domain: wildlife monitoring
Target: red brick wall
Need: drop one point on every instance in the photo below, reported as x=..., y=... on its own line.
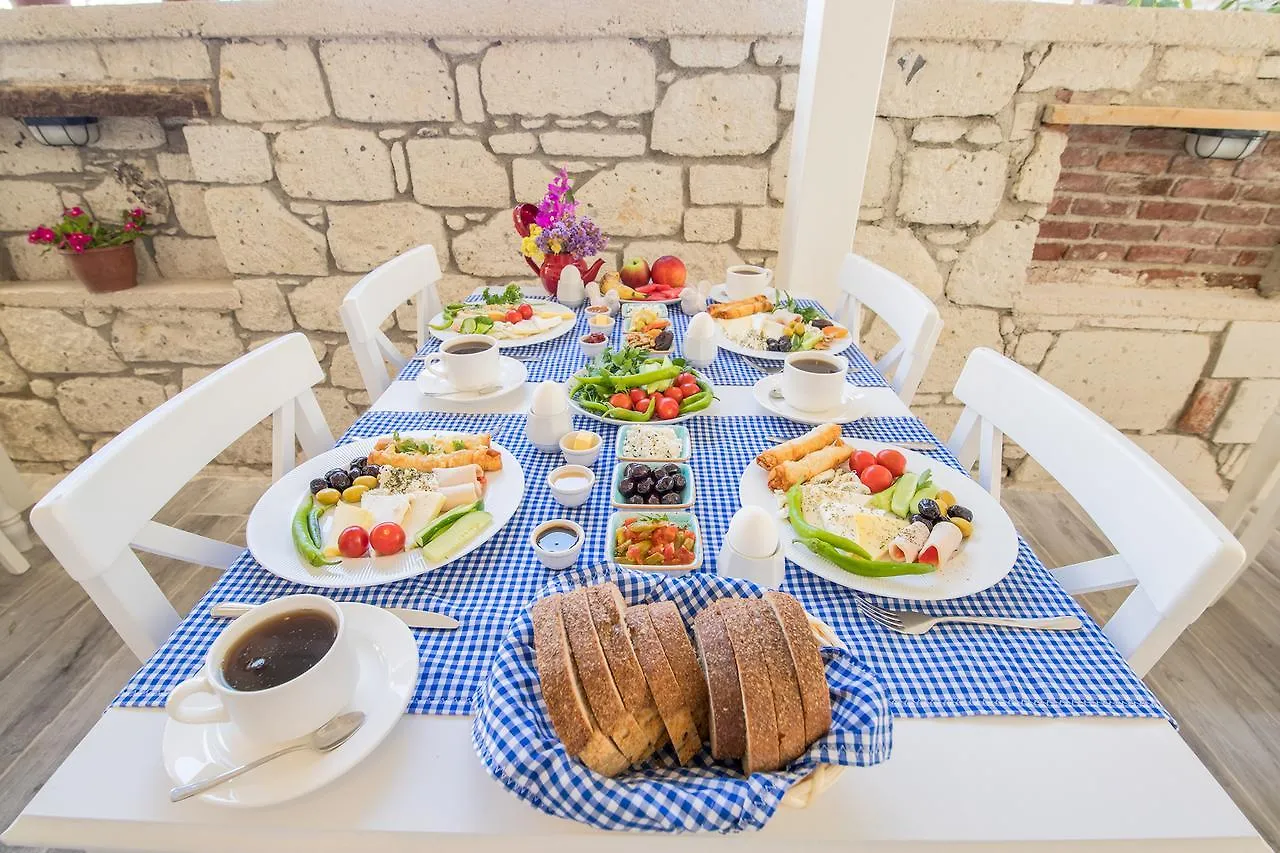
x=1133, y=200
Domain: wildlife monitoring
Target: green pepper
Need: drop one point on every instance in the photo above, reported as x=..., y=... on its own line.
x=598, y=408
x=638, y=379
x=695, y=407
x=693, y=399
x=628, y=415
x=805, y=530
x=446, y=320
x=302, y=536
x=313, y=522
x=866, y=568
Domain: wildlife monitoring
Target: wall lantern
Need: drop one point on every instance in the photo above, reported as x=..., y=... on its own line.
x=72, y=130
x=1224, y=144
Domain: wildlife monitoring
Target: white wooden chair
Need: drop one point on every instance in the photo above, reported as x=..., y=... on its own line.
x=1251, y=488
x=909, y=313
x=104, y=508
x=14, y=536
x=375, y=298
x=1169, y=547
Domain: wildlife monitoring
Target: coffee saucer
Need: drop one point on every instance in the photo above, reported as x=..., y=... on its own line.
x=511, y=375
x=720, y=293
x=852, y=407
x=388, y=657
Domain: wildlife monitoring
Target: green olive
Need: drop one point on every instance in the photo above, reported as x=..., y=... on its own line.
x=328, y=497
x=366, y=481
x=353, y=494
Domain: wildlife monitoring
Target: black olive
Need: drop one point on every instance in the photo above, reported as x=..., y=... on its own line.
x=671, y=498
x=317, y=485
x=927, y=522
x=664, y=340
x=670, y=469
x=653, y=500
x=644, y=487
x=338, y=480
x=636, y=471
x=359, y=462
x=960, y=512
x=370, y=471
x=627, y=487
x=821, y=323
x=678, y=481
x=929, y=508
x=663, y=485
x=332, y=471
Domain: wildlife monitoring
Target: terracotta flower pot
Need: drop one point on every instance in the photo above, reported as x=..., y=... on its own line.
x=104, y=270
x=18, y=4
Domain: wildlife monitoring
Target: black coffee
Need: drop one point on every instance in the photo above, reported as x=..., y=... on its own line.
x=748, y=271
x=279, y=650
x=468, y=348
x=814, y=365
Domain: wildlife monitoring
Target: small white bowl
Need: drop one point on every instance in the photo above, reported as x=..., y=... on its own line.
x=600, y=323
x=594, y=349
x=574, y=496
x=581, y=457
x=556, y=560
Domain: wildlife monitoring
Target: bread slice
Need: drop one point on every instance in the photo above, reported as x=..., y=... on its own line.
x=597, y=681
x=757, y=690
x=787, y=707
x=728, y=725
x=571, y=717
x=684, y=663
x=608, y=609
x=811, y=673
x=667, y=694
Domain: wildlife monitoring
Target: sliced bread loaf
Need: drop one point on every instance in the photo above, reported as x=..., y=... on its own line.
x=761, y=719
x=571, y=717
x=728, y=727
x=684, y=663
x=597, y=680
x=608, y=609
x=667, y=694
x=782, y=677
x=811, y=674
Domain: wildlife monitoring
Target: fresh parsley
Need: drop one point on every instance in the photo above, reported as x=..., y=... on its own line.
x=511, y=296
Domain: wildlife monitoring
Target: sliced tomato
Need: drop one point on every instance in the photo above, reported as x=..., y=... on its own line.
x=928, y=555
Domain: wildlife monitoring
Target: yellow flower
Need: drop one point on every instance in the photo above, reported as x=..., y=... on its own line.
x=534, y=229
x=555, y=246
x=529, y=248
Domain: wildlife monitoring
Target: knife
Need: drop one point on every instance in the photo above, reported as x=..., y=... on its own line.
x=412, y=618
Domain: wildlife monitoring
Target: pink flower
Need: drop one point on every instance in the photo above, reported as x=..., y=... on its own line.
x=79, y=241
x=138, y=213
x=73, y=211
x=131, y=226
x=42, y=235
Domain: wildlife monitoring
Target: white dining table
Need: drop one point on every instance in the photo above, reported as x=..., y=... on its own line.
x=975, y=783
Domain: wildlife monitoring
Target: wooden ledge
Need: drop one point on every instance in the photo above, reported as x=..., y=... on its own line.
x=1193, y=118
x=217, y=295
x=192, y=100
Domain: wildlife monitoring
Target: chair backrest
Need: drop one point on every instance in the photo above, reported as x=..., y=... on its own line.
x=1167, y=543
x=1256, y=488
x=375, y=298
x=909, y=313
x=100, y=511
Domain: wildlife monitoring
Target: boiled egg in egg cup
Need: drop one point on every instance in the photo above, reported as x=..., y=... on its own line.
x=752, y=549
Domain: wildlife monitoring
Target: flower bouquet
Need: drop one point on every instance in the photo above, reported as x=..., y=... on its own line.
x=100, y=255
x=553, y=235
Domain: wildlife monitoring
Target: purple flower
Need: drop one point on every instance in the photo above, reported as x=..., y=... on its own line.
x=572, y=236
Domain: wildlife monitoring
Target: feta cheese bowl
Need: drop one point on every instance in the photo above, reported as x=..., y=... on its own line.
x=654, y=443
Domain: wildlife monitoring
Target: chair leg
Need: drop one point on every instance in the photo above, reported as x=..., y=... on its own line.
x=11, y=558
x=13, y=527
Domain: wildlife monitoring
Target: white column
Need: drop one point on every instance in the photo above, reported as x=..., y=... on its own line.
x=844, y=48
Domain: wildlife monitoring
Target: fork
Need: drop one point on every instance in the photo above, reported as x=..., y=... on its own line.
x=767, y=371
x=909, y=445
x=911, y=622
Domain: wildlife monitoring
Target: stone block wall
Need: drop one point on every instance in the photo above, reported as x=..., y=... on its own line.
x=345, y=138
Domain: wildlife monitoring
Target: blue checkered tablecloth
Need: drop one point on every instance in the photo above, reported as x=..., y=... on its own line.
x=961, y=671
x=557, y=359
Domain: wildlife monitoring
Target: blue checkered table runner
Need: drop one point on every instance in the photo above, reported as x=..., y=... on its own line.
x=960, y=671
x=557, y=359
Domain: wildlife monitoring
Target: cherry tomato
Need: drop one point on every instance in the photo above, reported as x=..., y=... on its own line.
x=686, y=377
x=862, y=460
x=637, y=394
x=620, y=401
x=689, y=388
x=893, y=460
x=353, y=542
x=639, y=405
x=668, y=409
x=876, y=478
x=526, y=310
x=513, y=316
x=674, y=393
x=387, y=538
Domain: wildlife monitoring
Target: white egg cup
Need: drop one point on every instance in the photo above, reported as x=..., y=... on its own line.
x=767, y=572
x=701, y=353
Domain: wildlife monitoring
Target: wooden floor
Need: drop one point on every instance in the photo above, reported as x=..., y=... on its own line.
x=61, y=664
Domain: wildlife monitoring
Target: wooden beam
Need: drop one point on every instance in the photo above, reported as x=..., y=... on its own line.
x=1180, y=117
x=192, y=100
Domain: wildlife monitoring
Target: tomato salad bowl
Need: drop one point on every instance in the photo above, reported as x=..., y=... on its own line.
x=634, y=386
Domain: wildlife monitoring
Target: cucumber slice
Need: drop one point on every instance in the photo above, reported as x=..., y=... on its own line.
x=457, y=535
x=436, y=527
x=903, y=492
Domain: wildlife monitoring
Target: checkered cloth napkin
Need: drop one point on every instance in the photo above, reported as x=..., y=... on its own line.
x=558, y=359
x=514, y=738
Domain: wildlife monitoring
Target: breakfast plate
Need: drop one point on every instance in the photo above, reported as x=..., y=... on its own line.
x=511, y=375
x=549, y=320
x=853, y=406
x=985, y=558
x=271, y=528
x=388, y=659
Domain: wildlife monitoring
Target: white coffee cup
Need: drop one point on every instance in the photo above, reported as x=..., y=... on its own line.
x=744, y=281
x=286, y=711
x=466, y=371
x=814, y=390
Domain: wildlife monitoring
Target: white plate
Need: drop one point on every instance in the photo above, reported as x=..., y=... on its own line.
x=511, y=375
x=388, y=656
x=672, y=301
x=724, y=343
x=720, y=293
x=982, y=561
x=709, y=410
x=567, y=325
x=852, y=407
x=270, y=538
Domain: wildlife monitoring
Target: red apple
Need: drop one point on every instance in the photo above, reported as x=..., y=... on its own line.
x=635, y=272
x=669, y=270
